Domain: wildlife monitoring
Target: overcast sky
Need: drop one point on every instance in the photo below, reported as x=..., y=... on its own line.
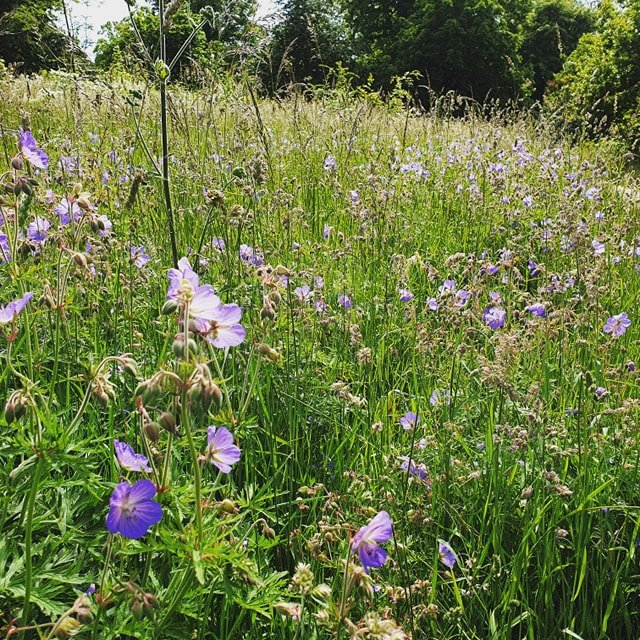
x=89, y=15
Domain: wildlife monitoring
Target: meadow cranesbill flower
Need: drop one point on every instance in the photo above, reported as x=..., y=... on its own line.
x=12, y=310
x=139, y=256
x=495, y=317
x=537, y=309
x=601, y=392
x=598, y=247
x=416, y=469
x=218, y=244
x=367, y=540
x=5, y=254
x=132, y=509
x=462, y=298
x=66, y=210
x=221, y=325
x=617, y=325
x=432, y=304
x=326, y=231
x=405, y=295
x=38, y=229
x=130, y=460
x=221, y=451
x=409, y=421
x=344, y=301
x=439, y=397
x=29, y=150
x=446, y=554
x=329, y=163
x=304, y=293
x=448, y=287
x=185, y=287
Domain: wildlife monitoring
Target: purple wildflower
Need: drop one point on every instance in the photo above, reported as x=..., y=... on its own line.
x=366, y=541
x=67, y=210
x=326, y=231
x=218, y=244
x=432, y=304
x=245, y=252
x=598, y=247
x=184, y=286
x=354, y=196
x=132, y=509
x=533, y=268
x=321, y=306
x=29, y=149
x=448, y=287
x=130, y=460
x=601, y=392
x=304, y=293
x=439, y=397
x=537, y=309
x=329, y=163
x=5, y=254
x=344, y=301
x=221, y=451
x=409, y=421
x=495, y=317
x=221, y=325
x=617, y=325
x=37, y=230
x=418, y=470
x=462, y=298
x=139, y=256
x=405, y=295
x=12, y=310
x=446, y=554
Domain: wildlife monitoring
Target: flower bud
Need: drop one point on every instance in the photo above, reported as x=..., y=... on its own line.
x=178, y=347
x=152, y=431
x=67, y=628
x=268, y=532
x=27, y=189
x=130, y=366
x=163, y=71
x=9, y=412
x=227, y=506
x=80, y=259
x=137, y=608
x=17, y=163
x=169, y=307
x=168, y=422
x=149, y=604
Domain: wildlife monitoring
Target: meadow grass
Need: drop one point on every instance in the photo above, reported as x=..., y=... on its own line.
x=523, y=453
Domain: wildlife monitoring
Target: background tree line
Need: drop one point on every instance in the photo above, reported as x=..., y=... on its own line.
x=573, y=56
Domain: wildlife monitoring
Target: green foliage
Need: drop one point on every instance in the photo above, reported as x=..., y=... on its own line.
x=29, y=38
x=551, y=33
x=598, y=90
x=311, y=38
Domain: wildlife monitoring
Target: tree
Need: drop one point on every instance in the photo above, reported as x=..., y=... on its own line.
x=311, y=37
x=598, y=89
x=552, y=32
x=29, y=37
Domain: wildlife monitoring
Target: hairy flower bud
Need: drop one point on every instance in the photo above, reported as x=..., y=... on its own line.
x=137, y=608
x=169, y=307
x=168, y=422
x=67, y=628
x=152, y=431
x=17, y=163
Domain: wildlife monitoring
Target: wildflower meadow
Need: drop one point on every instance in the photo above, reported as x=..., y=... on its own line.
x=329, y=368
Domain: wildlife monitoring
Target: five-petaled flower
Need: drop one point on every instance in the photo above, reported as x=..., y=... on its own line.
x=409, y=421
x=10, y=312
x=221, y=451
x=130, y=460
x=132, y=510
x=446, y=554
x=367, y=540
x=617, y=325
x=495, y=317
x=29, y=150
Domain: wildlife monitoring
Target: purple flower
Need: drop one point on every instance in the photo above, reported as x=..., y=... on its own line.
x=139, y=256
x=132, y=510
x=366, y=541
x=12, y=310
x=37, y=230
x=326, y=231
x=440, y=397
x=617, y=325
x=321, y=306
x=245, y=252
x=533, y=268
x=415, y=469
x=221, y=451
x=329, y=163
x=409, y=421
x=221, y=325
x=495, y=317
x=598, y=247
x=304, y=293
x=218, y=244
x=184, y=286
x=537, y=309
x=405, y=295
x=446, y=554
x=527, y=201
x=105, y=226
x=29, y=149
x=601, y=392
x=66, y=210
x=344, y=301
x=462, y=298
x=354, y=196
x=447, y=287
x=130, y=460
x=432, y=304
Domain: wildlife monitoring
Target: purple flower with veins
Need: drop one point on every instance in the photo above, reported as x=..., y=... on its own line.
x=533, y=268
x=29, y=150
x=409, y=421
x=222, y=326
x=448, y=287
x=5, y=254
x=326, y=231
x=184, y=286
x=495, y=317
x=617, y=325
x=344, y=301
x=66, y=210
x=601, y=392
x=405, y=295
x=218, y=244
x=105, y=226
x=598, y=247
x=446, y=554
x=221, y=451
x=462, y=298
x=432, y=304
x=139, y=256
x=132, y=509
x=537, y=309
x=130, y=460
x=366, y=541
x=303, y=293
x=245, y=252
x=10, y=312
x=38, y=229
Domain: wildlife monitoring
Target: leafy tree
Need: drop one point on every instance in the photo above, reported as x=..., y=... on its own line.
x=552, y=32
x=311, y=37
x=598, y=88
x=29, y=37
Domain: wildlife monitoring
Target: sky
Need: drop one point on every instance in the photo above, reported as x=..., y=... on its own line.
x=89, y=15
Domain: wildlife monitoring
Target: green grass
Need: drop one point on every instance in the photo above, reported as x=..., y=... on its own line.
x=532, y=479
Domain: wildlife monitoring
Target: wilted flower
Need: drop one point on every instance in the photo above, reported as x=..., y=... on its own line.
x=29, y=150
x=130, y=460
x=617, y=325
x=132, y=509
x=495, y=317
x=447, y=555
x=10, y=312
x=366, y=541
x=221, y=451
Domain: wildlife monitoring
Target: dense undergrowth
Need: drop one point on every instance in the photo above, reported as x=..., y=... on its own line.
x=433, y=315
